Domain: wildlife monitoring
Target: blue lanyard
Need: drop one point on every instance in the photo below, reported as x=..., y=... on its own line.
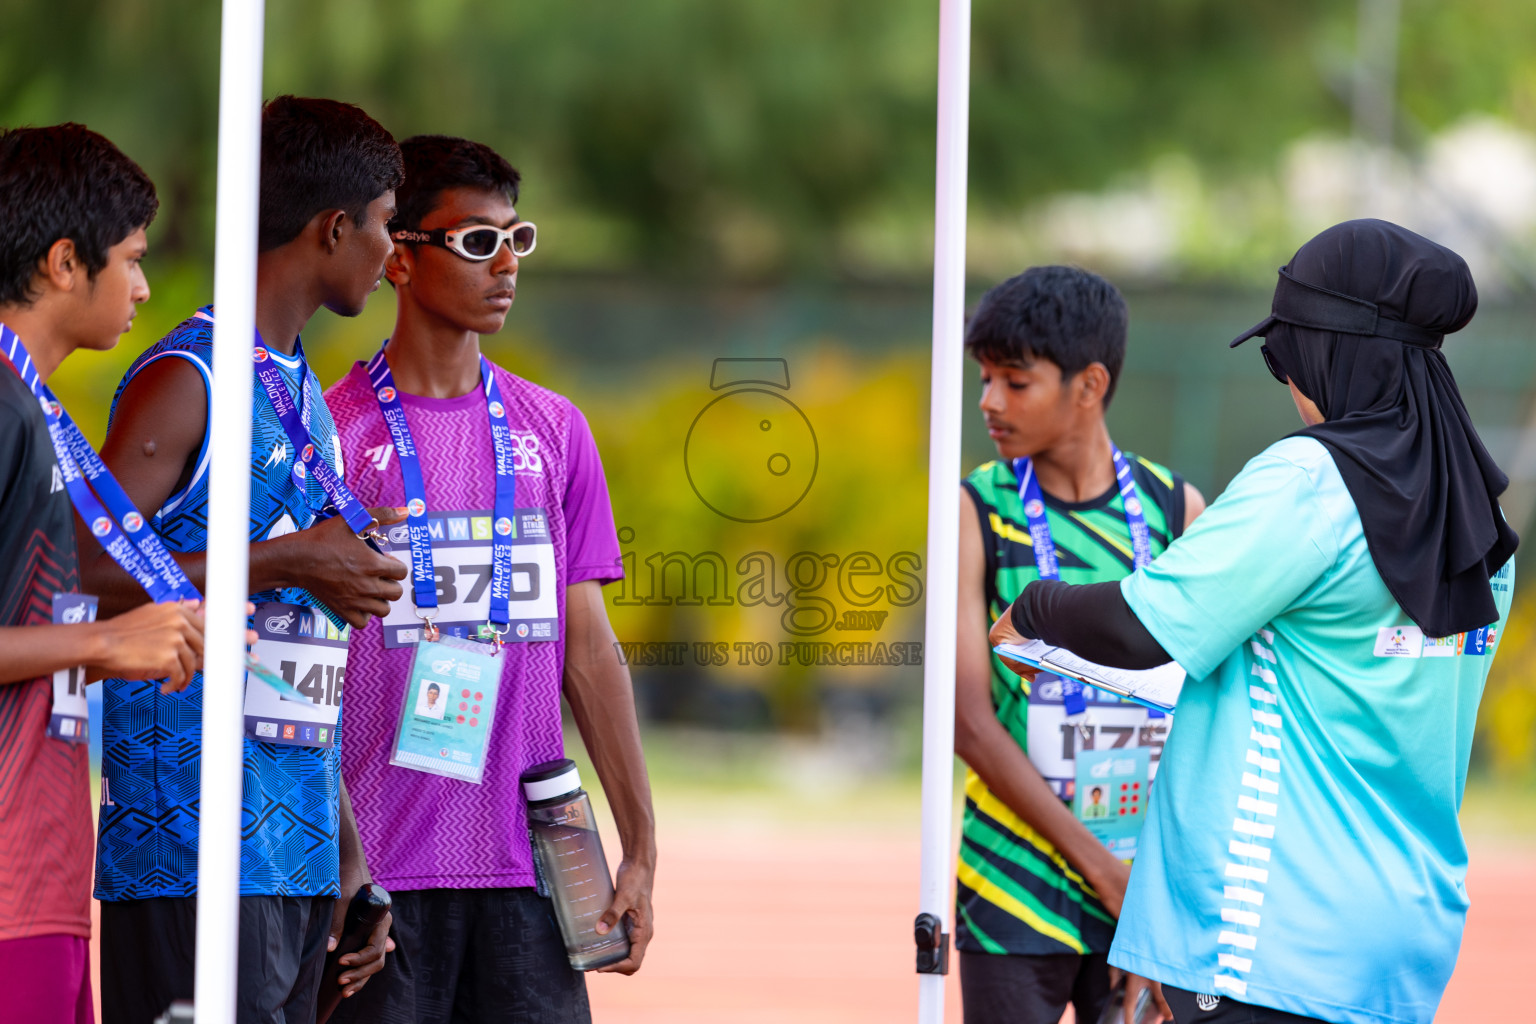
x=107, y=509
x=1045, y=548
x=423, y=572
x=295, y=421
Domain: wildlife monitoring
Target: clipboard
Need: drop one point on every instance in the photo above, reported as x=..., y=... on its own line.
x=1157, y=688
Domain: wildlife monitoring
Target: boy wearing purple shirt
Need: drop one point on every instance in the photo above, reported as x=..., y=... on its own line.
x=473, y=935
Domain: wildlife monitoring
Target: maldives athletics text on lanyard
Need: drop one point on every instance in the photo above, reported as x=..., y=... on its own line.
x=104, y=506
x=1045, y=548
x=306, y=645
x=450, y=698
x=423, y=568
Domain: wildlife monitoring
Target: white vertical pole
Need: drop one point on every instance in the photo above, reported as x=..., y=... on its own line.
x=229, y=501
x=944, y=480
x=1375, y=97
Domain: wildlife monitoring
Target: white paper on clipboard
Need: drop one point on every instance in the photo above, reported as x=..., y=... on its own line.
x=1155, y=687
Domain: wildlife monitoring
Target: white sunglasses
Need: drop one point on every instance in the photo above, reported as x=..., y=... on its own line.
x=477, y=243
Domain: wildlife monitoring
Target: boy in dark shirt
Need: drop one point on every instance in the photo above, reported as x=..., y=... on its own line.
x=75, y=210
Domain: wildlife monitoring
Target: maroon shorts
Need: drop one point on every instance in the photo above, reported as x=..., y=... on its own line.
x=46, y=980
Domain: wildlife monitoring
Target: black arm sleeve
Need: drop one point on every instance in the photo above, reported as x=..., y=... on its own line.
x=1091, y=620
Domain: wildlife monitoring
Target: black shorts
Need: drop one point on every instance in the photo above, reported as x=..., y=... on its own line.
x=147, y=957
x=472, y=956
x=1192, y=1008
x=998, y=988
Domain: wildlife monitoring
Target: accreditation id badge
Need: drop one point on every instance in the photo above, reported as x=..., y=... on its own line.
x=1055, y=741
x=461, y=558
x=1111, y=798
x=71, y=717
x=300, y=644
x=448, y=707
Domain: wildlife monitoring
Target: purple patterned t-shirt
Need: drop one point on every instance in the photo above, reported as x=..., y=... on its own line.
x=423, y=831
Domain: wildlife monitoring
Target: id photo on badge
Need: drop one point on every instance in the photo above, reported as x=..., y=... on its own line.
x=430, y=700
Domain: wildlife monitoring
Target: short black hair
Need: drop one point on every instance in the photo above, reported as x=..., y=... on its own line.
x=65, y=181
x=434, y=686
x=320, y=155
x=436, y=163
x=1063, y=314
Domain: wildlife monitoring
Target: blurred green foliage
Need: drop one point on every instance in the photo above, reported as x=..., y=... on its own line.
x=758, y=138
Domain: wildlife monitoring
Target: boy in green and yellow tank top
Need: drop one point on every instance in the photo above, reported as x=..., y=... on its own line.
x=1043, y=867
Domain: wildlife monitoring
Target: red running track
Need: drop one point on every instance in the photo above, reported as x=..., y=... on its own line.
x=769, y=925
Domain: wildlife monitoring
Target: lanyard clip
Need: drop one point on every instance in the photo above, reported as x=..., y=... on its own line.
x=498, y=634
x=429, y=631
x=1084, y=723
x=370, y=532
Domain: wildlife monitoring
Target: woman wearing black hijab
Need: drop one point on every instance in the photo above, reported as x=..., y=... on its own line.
x=1337, y=610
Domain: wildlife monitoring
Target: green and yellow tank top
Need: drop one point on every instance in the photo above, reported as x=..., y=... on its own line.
x=1016, y=893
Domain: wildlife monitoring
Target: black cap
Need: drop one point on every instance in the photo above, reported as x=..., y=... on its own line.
x=1307, y=305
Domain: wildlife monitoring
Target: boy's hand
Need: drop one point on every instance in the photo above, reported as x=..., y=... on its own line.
x=153, y=641
x=632, y=900
x=366, y=962
x=343, y=572
x=1109, y=880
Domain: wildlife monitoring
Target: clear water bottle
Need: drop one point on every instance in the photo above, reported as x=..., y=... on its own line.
x=571, y=863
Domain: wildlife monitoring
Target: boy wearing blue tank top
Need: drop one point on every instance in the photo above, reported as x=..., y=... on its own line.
x=327, y=193
x=1043, y=867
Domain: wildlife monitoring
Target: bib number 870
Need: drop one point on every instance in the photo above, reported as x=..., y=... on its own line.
x=450, y=579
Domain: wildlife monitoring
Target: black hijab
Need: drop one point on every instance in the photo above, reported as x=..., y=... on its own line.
x=1358, y=318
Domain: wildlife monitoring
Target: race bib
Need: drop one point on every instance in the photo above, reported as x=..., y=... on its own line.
x=461, y=557
x=1110, y=725
x=448, y=708
x=71, y=717
x=302, y=646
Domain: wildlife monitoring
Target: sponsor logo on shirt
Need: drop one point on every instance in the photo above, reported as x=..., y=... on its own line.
x=279, y=454
x=1207, y=1003
x=380, y=456
x=58, y=481
x=1477, y=643
x=1399, y=642
x=1444, y=646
